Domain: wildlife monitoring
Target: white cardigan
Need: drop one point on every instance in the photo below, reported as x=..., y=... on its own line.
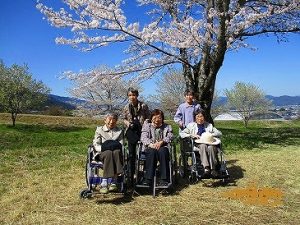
x=192, y=129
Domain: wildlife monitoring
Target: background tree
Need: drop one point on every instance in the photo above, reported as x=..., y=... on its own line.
x=101, y=92
x=18, y=91
x=247, y=98
x=195, y=34
x=169, y=91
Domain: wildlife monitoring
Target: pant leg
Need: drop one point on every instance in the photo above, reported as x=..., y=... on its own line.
x=212, y=156
x=108, y=165
x=164, y=158
x=117, y=158
x=151, y=162
x=132, y=157
x=203, y=154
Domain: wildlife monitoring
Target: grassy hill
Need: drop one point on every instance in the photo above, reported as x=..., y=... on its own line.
x=42, y=171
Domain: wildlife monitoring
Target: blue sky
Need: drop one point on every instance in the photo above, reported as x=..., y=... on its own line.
x=26, y=38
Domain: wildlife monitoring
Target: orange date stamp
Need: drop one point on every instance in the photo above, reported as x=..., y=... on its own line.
x=254, y=195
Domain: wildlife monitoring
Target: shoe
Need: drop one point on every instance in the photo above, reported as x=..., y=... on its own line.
x=147, y=182
x=214, y=173
x=206, y=171
x=163, y=182
x=104, y=190
x=113, y=187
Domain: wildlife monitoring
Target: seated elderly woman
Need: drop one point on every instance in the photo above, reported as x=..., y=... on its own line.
x=206, y=141
x=155, y=138
x=108, y=141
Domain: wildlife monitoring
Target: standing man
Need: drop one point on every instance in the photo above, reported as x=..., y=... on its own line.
x=185, y=112
x=135, y=113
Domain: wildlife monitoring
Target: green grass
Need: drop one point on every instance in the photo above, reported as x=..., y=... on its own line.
x=259, y=134
x=42, y=163
x=27, y=136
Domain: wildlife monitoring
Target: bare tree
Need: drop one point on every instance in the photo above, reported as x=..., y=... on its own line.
x=247, y=98
x=18, y=91
x=169, y=92
x=195, y=34
x=170, y=88
x=101, y=92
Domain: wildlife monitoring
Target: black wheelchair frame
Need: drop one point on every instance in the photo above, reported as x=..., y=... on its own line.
x=93, y=179
x=190, y=163
x=140, y=171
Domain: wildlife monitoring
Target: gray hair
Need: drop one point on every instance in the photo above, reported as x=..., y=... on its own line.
x=112, y=114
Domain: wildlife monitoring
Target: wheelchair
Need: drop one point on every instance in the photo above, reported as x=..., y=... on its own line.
x=93, y=169
x=140, y=171
x=190, y=165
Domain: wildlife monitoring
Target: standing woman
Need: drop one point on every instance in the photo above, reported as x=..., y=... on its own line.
x=156, y=135
x=135, y=113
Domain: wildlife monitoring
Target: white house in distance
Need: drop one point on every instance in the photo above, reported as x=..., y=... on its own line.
x=254, y=116
x=228, y=116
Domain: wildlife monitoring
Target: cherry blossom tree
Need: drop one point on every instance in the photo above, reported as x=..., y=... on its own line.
x=101, y=92
x=194, y=33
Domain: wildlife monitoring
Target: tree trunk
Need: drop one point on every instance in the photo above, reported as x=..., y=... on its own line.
x=202, y=77
x=13, y=118
x=246, y=121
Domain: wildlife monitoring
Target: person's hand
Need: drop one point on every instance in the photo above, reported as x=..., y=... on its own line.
x=196, y=136
x=158, y=144
x=126, y=122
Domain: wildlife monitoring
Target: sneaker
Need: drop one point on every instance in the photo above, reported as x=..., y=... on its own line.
x=163, y=182
x=104, y=190
x=206, y=171
x=113, y=187
x=147, y=182
x=214, y=174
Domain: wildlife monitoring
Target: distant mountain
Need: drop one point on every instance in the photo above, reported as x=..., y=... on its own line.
x=71, y=103
x=277, y=101
x=284, y=100
x=64, y=102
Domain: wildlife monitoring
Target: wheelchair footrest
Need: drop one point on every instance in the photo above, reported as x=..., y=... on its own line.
x=98, y=180
x=96, y=164
x=95, y=180
x=142, y=186
x=163, y=186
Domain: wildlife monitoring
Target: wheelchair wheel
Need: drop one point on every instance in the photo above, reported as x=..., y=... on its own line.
x=181, y=167
x=174, y=165
x=89, y=172
x=193, y=178
x=85, y=193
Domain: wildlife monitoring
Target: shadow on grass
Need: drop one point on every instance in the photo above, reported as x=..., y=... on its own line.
x=254, y=137
x=235, y=173
x=115, y=198
x=175, y=189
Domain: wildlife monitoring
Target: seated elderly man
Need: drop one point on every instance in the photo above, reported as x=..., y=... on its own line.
x=108, y=141
x=206, y=141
